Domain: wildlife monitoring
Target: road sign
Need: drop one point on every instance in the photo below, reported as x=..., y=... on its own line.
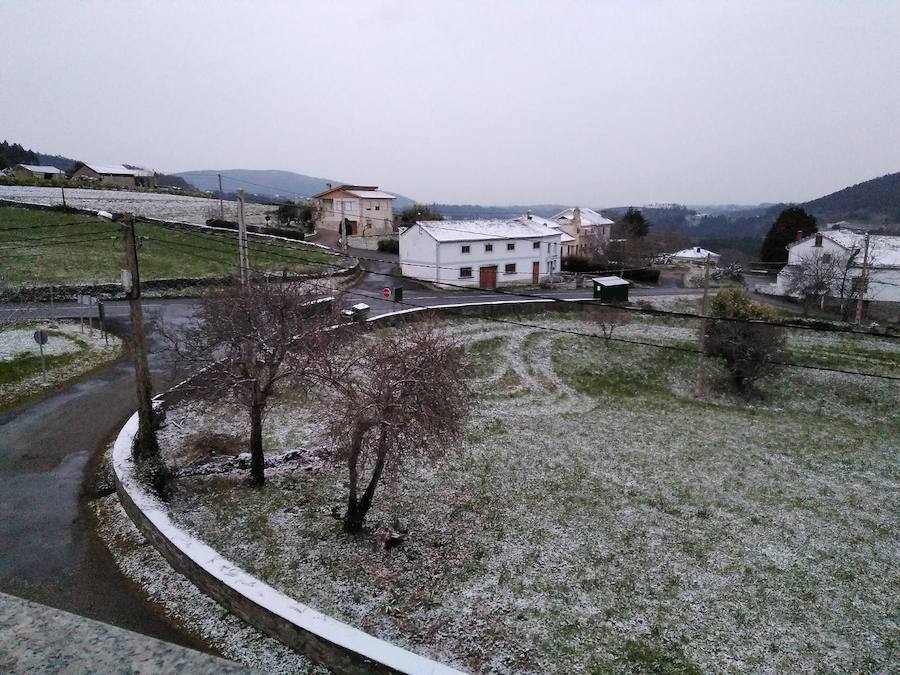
x=386, y=293
x=40, y=336
x=87, y=300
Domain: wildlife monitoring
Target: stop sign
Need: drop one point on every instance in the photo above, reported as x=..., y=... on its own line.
x=386, y=292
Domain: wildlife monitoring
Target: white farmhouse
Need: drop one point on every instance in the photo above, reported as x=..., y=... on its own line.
x=480, y=253
x=846, y=250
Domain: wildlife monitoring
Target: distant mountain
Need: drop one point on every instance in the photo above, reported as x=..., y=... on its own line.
x=268, y=183
x=875, y=201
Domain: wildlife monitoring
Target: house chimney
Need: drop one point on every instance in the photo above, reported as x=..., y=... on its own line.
x=528, y=213
x=799, y=235
x=576, y=217
x=328, y=185
x=698, y=249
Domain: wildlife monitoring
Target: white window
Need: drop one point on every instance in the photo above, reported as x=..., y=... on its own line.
x=465, y=272
x=510, y=268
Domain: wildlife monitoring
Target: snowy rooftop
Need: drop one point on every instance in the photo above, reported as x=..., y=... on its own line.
x=588, y=217
x=477, y=230
x=552, y=224
x=371, y=194
x=40, y=169
x=610, y=281
x=695, y=252
x=884, y=249
x=117, y=170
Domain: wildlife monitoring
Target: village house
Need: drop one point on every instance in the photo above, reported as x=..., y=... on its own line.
x=35, y=171
x=115, y=175
x=845, y=249
x=589, y=230
x=695, y=255
x=365, y=209
x=480, y=253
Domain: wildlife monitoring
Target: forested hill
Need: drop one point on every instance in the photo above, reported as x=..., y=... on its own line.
x=875, y=201
x=13, y=153
x=268, y=183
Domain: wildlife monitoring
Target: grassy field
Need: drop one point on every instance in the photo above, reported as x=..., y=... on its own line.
x=599, y=519
x=52, y=250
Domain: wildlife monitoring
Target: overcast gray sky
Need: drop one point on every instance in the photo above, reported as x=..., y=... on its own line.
x=593, y=102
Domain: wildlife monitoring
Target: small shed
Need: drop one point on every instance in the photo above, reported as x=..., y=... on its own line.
x=611, y=289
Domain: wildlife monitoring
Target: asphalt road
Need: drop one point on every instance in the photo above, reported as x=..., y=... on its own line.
x=49, y=552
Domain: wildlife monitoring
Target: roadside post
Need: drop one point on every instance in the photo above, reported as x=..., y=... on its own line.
x=40, y=336
x=101, y=315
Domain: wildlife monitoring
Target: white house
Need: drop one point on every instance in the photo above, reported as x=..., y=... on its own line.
x=480, y=253
x=586, y=227
x=366, y=210
x=694, y=256
x=846, y=250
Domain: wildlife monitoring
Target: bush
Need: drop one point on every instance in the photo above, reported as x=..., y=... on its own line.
x=751, y=351
x=646, y=275
x=577, y=263
x=389, y=245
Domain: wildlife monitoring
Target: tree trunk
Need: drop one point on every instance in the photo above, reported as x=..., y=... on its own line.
x=358, y=508
x=257, y=461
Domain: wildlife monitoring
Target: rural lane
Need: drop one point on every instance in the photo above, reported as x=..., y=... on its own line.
x=50, y=553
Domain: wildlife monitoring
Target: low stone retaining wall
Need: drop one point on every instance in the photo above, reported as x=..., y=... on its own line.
x=369, y=243
x=337, y=645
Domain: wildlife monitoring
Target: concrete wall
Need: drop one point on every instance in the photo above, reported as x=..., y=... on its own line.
x=369, y=243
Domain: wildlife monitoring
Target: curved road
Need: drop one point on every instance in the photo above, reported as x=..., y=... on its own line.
x=48, y=550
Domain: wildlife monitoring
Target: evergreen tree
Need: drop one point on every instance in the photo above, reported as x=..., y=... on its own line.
x=634, y=224
x=412, y=214
x=784, y=230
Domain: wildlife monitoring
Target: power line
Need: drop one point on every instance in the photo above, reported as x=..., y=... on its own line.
x=640, y=310
x=636, y=342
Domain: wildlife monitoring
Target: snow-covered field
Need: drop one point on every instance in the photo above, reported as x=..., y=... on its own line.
x=597, y=518
x=150, y=204
x=70, y=351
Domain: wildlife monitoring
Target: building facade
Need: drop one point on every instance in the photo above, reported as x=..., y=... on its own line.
x=480, y=253
x=115, y=175
x=34, y=171
x=837, y=257
x=364, y=209
x=590, y=232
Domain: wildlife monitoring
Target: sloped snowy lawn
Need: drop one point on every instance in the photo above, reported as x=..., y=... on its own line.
x=597, y=518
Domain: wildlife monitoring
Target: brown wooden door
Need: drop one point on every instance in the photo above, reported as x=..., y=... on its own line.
x=535, y=272
x=487, y=277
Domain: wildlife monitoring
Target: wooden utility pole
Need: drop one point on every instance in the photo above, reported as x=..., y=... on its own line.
x=343, y=229
x=146, y=445
x=242, y=240
x=63, y=188
x=221, y=207
x=698, y=380
x=863, y=281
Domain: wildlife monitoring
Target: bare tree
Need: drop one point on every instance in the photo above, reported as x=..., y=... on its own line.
x=815, y=275
x=250, y=342
x=610, y=318
x=394, y=397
